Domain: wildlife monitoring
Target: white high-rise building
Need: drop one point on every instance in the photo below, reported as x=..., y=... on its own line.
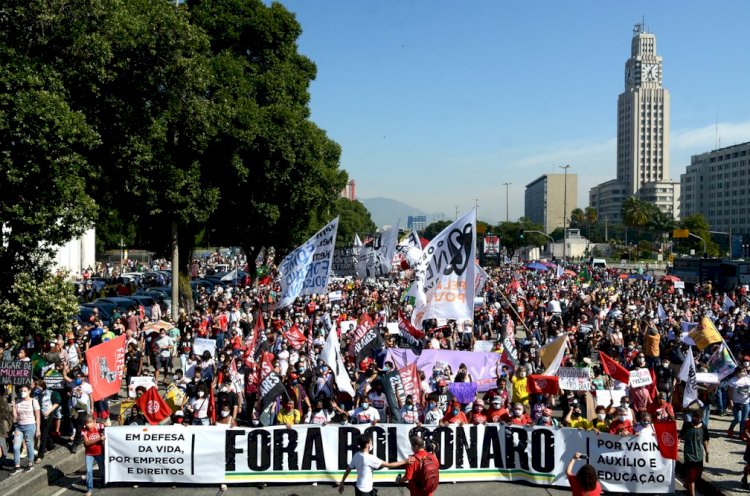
x=642, y=136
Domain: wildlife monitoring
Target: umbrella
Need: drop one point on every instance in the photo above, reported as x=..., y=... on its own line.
x=670, y=278
x=155, y=326
x=536, y=266
x=623, y=276
x=549, y=265
x=570, y=273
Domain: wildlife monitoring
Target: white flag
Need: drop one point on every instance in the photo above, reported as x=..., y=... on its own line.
x=687, y=374
x=357, y=241
x=560, y=271
x=376, y=259
x=410, y=248
x=727, y=305
x=331, y=354
x=552, y=353
x=661, y=313
x=231, y=276
x=445, y=274
x=305, y=270
x=480, y=279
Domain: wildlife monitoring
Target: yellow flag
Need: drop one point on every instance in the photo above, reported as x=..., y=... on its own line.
x=705, y=334
x=551, y=350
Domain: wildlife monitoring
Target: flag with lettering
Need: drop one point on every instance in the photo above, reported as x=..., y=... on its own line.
x=154, y=408
x=687, y=374
x=106, y=362
x=666, y=439
x=305, y=270
x=271, y=387
x=294, y=337
x=706, y=334
x=364, y=339
x=409, y=334
x=445, y=274
x=376, y=257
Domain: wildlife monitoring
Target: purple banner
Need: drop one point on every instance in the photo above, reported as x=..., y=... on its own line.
x=463, y=392
x=480, y=365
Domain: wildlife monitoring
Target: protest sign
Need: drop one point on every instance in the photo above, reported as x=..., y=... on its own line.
x=202, y=344
x=345, y=261
x=484, y=346
x=605, y=397
x=640, y=378
x=16, y=373
x=145, y=381
x=574, y=379
x=309, y=453
x=54, y=380
x=106, y=362
x=348, y=325
x=306, y=269
x=364, y=339
x=392, y=328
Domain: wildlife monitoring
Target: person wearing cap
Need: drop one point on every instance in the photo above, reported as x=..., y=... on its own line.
x=442, y=396
x=178, y=417
x=455, y=415
x=518, y=415
x=477, y=415
x=547, y=420
x=497, y=411
x=661, y=410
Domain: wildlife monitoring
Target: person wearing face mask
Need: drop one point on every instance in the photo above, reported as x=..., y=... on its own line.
x=665, y=377
x=364, y=413
x=198, y=406
x=547, y=419
x=319, y=415
x=518, y=415
x=410, y=413
x=442, y=396
x=49, y=402
x=519, y=383
x=478, y=415
x=575, y=418
x=27, y=420
x=497, y=411
x=227, y=397
x=376, y=397
x=455, y=415
x=644, y=425
x=288, y=415
x=434, y=415
x=621, y=426
x=600, y=421
x=661, y=410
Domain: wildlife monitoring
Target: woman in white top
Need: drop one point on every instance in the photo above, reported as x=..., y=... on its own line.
x=28, y=426
x=198, y=406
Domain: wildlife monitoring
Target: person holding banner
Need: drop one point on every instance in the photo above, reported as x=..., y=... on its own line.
x=93, y=440
x=364, y=463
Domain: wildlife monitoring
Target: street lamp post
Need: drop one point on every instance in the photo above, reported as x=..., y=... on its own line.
x=705, y=246
x=506, y=200
x=565, y=212
x=543, y=234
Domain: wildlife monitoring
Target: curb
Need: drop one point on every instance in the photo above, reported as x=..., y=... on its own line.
x=54, y=466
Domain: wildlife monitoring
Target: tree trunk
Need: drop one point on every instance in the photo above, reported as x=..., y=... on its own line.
x=175, y=274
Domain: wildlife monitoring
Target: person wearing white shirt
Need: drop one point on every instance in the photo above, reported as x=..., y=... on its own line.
x=364, y=463
x=364, y=414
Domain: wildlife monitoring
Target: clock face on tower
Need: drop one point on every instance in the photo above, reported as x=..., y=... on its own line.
x=650, y=72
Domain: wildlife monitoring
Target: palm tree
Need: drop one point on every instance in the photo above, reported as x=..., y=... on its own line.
x=577, y=217
x=661, y=223
x=636, y=213
x=591, y=217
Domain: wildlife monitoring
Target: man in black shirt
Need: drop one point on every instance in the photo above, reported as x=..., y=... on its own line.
x=227, y=397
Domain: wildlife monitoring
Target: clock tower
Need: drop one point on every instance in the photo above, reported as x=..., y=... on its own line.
x=642, y=117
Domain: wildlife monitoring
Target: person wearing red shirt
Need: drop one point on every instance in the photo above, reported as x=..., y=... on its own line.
x=519, y=416
x=585, y=482
x=409, y=478
x=622, y=425
x=455, y=415
x=477, y=415
x=661, y=410
x=497, y=411
x=93, y=440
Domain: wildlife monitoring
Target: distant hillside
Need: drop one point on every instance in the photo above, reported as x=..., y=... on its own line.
x=385, y=211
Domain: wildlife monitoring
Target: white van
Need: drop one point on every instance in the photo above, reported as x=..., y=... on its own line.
x=599, y=262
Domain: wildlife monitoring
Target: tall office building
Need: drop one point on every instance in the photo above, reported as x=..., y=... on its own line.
x=544, y=200
x=717, y=185
x=642, y=136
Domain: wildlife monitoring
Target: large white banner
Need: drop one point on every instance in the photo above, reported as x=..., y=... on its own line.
x=308, y=453
x=376, y=258
x=444, y=284
x=305, y=270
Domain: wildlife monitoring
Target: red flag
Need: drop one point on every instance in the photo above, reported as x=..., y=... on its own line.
x=105, y=362
x=651, y=388
x=614, y=369
x=154, y=408
x=211, y=410
x=410, y=381
x=259, y=327
x=295, y=337
x=405, y=325
x=666, y=438
x=543, y=384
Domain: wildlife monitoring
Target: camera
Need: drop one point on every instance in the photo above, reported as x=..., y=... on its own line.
x=584, y=457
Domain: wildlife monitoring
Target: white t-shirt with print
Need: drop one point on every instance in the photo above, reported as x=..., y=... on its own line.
x=364, y=464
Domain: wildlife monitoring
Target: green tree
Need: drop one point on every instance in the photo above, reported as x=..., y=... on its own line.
x=635, y=213
x=354, y=218
x=434, y=229
x=591, y=216
x=39, y=307
x=577, y=218
x=698, y=226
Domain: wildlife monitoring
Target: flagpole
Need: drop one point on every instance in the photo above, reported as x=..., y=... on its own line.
x=528, y=332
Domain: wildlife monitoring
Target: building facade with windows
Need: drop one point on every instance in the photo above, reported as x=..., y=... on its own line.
x=544, y=200
x=642, y=135
x=416, y=222
x=716, y=184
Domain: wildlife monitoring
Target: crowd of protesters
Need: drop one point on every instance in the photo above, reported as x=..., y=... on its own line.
x=636, y=321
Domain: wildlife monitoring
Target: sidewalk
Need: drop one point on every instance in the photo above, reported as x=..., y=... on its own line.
x=722, y=474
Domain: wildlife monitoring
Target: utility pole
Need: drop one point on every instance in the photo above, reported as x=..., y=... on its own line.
x=565, y=212
x=456, y=217
x=476, y=206
x=506, y=200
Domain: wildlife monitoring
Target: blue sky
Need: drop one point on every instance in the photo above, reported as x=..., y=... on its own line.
x=436, y=103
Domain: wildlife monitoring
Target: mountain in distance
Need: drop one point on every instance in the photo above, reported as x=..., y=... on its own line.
x=386, y=211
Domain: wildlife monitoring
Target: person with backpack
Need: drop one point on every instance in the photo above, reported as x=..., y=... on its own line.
x=422, y=474
x=364, y=463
